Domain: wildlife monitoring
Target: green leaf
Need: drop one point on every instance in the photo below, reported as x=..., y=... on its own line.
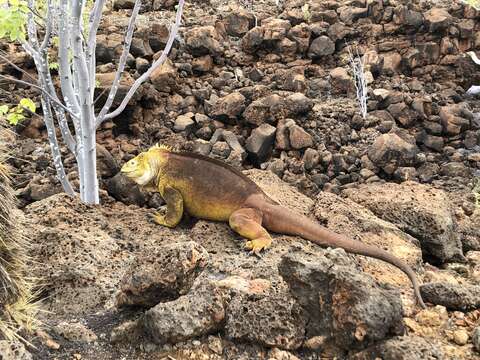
x=12, y=19
x=3, y=109
x=14, y=118
x=53, y=66
x=28, y=104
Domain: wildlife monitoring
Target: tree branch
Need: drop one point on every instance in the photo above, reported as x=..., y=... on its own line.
x=42, y=69
x=32, y=27
x=7, y=60
x=38, y=88
x=29, y=49
x=122, y=62
x=49, y=26
x=94, y=22
x=52, y=138
x=156, y=64
x=61, y=118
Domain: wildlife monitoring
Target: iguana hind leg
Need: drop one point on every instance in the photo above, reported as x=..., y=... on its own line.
x=174, y=213
x=247, y=222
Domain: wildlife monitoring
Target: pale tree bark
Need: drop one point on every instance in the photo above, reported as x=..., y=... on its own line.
x=87, y=117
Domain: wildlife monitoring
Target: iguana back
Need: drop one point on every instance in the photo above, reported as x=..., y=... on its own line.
x=210, y=188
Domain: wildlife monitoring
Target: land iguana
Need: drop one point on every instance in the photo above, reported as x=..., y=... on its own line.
x=209, y=189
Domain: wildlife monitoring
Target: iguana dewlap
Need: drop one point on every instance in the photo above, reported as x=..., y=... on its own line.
x=210, y=189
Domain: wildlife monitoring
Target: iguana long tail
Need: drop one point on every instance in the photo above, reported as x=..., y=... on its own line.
x=281, y=220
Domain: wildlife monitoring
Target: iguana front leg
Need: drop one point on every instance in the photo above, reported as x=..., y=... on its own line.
x=174, y=213
x=247, y=222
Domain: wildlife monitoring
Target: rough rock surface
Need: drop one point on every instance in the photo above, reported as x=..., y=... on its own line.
x=198, y=313
x=401, y=348
x=75, y=332
x=84, y=265
x=162, y=275
x=236, y=291
x=13, y=351
x=267, y=62
x=420, y=211
x=271, y=319
x=452, y=296
x=476, y=338
x=392, y=150
x=353, y=220
x=325, y=286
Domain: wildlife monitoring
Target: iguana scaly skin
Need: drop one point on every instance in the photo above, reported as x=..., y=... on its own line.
x=210, y=189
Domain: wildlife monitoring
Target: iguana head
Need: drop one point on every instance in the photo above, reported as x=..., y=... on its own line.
x=138, y=169
x=144, y=167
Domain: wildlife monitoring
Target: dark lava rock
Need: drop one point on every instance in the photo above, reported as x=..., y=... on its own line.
x=437, y=20
x=239, y=21
x=455, y=169
x=267, y=109
x=454, y=297
x=260, y=143
x=455, y=118
x=401, y=348
x=125, y=190
x=299, y=138
x=107, y=166
x=36, y=191
x=123, y=4
x=162, y=275
x=203, y=40
x=476, y=338
x=228, y=108
x=341, y=81
x=198, y=313
x=297, y=104
x=392, y=150
x=184, y=123
x=345, y=307
x=321, y=46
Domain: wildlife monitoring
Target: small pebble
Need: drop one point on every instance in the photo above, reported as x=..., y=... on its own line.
x=476, y=338
x=460, y=337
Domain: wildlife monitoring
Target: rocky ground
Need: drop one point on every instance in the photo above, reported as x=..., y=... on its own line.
x=268, y=86
x=118, y=285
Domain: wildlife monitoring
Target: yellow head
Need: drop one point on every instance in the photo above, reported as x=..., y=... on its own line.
x=145, y=166
x=138, y=169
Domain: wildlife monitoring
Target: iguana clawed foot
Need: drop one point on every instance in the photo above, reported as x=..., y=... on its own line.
x=257, y=245
x=162, y=220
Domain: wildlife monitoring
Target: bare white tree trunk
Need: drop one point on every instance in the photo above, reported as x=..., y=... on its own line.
x=88, y=152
